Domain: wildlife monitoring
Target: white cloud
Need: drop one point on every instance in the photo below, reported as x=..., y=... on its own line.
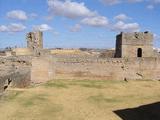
x=97, y=21
x=3, y=28
x=152, y=4
x=126, y=27
x=42, y=27
x=111, y=2
x=72, y=9
x=121, y=17
x=156, y=1
x=13, y=27
x=20, y=15
x=134, y=1
x=76, y=28
x=150, y=7
x=156, y=37
x=69, y=9
x=17, y=14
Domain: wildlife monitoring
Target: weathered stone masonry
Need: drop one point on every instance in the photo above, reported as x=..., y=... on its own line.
x=35, y=41
x=15, y=72
x=134, y=60
x=134, y=45
x=109, y=69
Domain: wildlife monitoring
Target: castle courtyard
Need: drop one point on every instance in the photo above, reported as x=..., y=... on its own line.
x=82, y=100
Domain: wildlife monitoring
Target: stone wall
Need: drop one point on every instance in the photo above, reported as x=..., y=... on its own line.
x=42, y=69
x=14, y=72
x=23, y=70
x=109, y=69
x=22, y=51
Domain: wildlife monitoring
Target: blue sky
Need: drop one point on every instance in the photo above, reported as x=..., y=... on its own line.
x=77, y=23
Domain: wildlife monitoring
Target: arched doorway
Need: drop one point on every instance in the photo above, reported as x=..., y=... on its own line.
x=139, y=52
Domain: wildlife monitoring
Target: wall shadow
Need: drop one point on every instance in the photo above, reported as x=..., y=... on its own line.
x=145, y=112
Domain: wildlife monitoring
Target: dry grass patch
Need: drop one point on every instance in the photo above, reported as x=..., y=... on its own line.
x=77, y=99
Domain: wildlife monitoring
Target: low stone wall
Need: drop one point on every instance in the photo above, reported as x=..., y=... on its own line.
x=22, y=51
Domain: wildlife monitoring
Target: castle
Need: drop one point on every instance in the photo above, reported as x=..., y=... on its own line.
x=133, y=59
x=128, y=45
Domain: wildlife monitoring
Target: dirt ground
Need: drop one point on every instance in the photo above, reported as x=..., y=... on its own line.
x=77, y=100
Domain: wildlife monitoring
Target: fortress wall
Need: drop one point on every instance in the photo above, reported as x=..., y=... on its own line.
x=26, y=69
x=110, y=68
x=22, y=51
x=14, y=72
x=19, y=78
x=42, y=69
x=100, y=68
x=150, y=68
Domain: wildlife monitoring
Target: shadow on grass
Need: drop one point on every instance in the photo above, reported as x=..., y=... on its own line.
x=145, y=112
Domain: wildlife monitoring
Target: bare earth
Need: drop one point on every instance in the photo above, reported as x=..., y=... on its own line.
x=77, y=100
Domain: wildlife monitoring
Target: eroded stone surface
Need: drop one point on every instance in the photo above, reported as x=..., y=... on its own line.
x=20, y=71
x=138, y=44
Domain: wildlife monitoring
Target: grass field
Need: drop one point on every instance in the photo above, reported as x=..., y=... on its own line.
x=77, y=100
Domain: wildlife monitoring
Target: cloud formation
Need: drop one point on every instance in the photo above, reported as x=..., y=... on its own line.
x=120, y=26
x=13, y=27
x=111, y=2
x=151, y=3
x=97, y=21
x=76, y=28
x=20, y=15
x=42, y=27
x=122, y=17
x=17, y=14
x=69, y=9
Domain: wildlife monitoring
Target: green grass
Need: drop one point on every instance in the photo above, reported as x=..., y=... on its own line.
x=98, y=84
x=34, y=100
x=10, y=96
x=55, y=84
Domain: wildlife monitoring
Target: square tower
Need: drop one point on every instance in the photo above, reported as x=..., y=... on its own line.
x=35, y=40
x=137, y=44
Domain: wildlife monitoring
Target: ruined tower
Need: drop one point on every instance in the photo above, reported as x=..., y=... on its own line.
x=137, y=44
x=35, y=41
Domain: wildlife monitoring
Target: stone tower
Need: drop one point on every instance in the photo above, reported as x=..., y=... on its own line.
x=137, y=44
x=35, y=40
